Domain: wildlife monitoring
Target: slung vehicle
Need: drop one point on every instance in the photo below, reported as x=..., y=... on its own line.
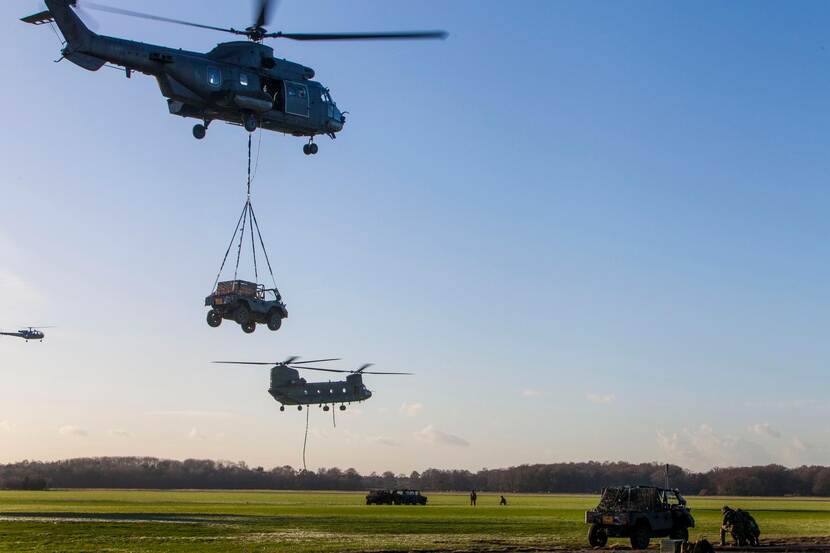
x=238, y=82
x=246, y=303
x=288, y=388
x=639, y=513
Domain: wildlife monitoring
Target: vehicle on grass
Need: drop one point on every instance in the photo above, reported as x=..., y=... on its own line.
x=247, y=304
x=639, y=513
x=395, y=497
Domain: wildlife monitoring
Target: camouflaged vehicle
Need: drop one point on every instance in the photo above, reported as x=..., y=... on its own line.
x=639, y=513
x=247, y=304
x=395, y=497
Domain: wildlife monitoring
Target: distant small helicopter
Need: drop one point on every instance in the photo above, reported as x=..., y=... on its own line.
x=237, y=82
x=28, y=333
x=289, y=389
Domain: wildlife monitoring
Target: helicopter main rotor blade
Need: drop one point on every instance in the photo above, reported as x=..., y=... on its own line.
x=131, y=13
x=313, y=361
x=264, y=12
x=245, y=363
x=402, y=35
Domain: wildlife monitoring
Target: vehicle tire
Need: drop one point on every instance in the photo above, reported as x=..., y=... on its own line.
x=641, y=537
x=313, y=148
x=306, y=149
x=597, y=536
x=242, y=315
x=199, y=131
x=679, y=533
x=274, y=321
x=250, y=123
x=214, y=319
x=249, y=327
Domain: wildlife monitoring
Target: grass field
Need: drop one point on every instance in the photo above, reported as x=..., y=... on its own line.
x=190, y=521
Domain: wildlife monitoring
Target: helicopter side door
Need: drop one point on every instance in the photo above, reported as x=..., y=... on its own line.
x=296, y=98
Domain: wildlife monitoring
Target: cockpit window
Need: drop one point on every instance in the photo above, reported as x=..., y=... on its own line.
x=243, y=79
x=214, y=76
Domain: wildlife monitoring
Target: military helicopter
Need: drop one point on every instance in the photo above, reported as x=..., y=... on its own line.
x=28, y=333
x=238, y=82
x=289, y=389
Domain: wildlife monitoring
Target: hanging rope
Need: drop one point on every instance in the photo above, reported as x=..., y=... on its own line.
x=230, y=244
x=247, y=218
x=305, y=440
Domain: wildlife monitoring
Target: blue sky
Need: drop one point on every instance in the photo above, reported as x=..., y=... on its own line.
x=594, y=231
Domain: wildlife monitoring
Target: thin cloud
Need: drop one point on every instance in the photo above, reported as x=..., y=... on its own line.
x=190, y=413
x=764, y=429
x=196, y=434
x=432, y=435
x=601, y=398
x=389, y=442
x=71, y=430
x=119, y=433
x=411, y=409
x=702, y=448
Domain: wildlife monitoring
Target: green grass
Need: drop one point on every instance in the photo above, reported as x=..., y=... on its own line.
x=184, y=521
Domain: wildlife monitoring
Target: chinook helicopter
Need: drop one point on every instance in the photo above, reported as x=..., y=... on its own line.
x=289, y=389
x=238, y=82
x=28, y=333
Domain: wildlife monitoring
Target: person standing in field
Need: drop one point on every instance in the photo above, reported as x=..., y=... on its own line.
x=503, y=501
x=473, y=498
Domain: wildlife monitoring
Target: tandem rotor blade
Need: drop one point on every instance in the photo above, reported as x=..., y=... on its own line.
x=396, y=35
x=321, y=369
x=372, y=372
x=312, y=361
x=131, y=13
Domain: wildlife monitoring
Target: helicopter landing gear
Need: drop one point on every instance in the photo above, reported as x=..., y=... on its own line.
x=342, y=407
x=325, y=407
x=199, y=131
x=282, y=407
x=299, y=408
x=311, y=148
x=249, y=122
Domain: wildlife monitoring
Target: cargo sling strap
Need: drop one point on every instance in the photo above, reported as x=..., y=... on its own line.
x=247, y=217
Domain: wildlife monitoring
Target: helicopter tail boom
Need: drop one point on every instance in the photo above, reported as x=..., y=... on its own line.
x=78, y=36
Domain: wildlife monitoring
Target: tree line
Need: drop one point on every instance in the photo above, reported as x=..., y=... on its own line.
x=584, y=477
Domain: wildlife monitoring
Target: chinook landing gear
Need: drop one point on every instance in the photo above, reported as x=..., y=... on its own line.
x=311, y=148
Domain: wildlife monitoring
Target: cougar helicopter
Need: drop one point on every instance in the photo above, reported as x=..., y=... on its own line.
x=288, y=388
x=237, y=82
x=28, y=333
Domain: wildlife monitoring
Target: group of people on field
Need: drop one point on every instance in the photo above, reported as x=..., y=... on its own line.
x=740, y=525
x=474, y=499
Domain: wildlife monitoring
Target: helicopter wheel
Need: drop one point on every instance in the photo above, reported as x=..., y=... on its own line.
x=313, y=148
x=325, y=408
x=199, y=131
x=299, y=408
x=307, y=149
x=342, y=407
x=282, y=407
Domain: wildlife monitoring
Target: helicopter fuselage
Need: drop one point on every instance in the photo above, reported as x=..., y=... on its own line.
x=289, y=389
x=238, y=82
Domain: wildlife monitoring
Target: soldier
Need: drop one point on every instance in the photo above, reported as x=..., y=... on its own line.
x=473, y=498
x=750, y=527
x=727, y=524
x=503, y=501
